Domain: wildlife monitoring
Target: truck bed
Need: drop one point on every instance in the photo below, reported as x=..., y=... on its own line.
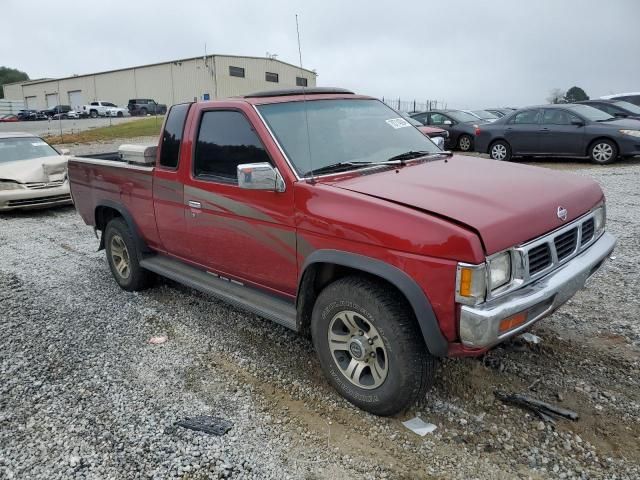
x=99, y=182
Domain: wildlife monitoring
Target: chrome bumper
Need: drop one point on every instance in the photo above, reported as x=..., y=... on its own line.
x=479, y=325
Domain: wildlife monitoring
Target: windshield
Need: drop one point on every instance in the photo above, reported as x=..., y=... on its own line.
x=341, y=130
x=463, y=117
x=24, y=148
x=591, y=113
x=629, y=107
x=484, y=114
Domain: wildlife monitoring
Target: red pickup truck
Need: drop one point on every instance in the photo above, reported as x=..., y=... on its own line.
x=329, y=213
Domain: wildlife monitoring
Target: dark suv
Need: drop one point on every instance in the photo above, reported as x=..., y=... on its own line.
x=50, y=112
x=143, y=106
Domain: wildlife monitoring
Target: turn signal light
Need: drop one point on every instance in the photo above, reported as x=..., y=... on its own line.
x=466, y=280
x=513, y=321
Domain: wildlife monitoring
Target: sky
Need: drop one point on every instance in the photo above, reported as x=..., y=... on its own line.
x=467, y=53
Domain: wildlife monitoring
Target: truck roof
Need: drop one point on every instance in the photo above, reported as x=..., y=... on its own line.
x=294, y=95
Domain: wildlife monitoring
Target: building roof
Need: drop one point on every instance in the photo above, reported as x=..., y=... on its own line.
x=43, y=80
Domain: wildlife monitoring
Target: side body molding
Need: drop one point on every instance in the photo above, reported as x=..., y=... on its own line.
x=433, y=338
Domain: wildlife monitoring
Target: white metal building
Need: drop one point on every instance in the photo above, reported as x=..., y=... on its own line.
x=197, y=78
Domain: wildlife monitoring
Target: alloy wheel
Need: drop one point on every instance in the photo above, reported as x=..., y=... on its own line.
x=358, y=350
x=465, y=143
x=120, y=256
x=498, y=152
x=602, y=152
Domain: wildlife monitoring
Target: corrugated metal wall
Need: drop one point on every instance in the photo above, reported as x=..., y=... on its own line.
x=169, y=83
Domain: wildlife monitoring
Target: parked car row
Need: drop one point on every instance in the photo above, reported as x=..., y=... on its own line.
x=95, y=109
x=602, y=129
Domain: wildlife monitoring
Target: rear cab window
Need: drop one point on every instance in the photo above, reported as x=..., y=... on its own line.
x=172, y=136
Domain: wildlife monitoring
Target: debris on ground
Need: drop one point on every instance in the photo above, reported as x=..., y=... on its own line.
x=419, y=426
x=207, y=424
x=530, y=338
x=158, y=340
x=546, y=411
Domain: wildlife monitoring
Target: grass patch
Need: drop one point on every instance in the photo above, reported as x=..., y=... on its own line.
x=135, y=128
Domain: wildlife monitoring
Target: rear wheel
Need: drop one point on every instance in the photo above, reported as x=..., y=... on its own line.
x=369, y=345
x=120, y=114
x=465, y=143
x=500, y=150
x=123, y=257
x=143, y=112
x=603, y=152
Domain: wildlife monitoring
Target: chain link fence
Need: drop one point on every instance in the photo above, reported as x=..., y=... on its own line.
x=414, y=105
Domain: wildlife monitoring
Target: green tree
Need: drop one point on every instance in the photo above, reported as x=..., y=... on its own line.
x=10, y=75
x=575, y=94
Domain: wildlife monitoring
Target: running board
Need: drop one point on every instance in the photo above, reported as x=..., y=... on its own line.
x=246, y=298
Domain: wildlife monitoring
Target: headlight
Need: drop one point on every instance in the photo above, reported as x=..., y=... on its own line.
x=633, y=133
x=599, y=220
x=499, y=270
x=9, y=185
x=471, y=284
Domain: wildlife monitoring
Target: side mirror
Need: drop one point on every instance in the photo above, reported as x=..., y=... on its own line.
x=447, y=122
x=260, y=176
x=439, y=141
x=577, y=123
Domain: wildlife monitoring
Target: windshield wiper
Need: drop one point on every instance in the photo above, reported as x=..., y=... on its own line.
x=395, y=160
x=408, y=155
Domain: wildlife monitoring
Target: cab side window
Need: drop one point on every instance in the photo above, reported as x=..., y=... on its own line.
x=226, y=140
x=526, y=117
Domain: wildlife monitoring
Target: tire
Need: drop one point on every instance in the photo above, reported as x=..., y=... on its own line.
x=93, y=114
x=122, y=257
x=465, y=143
x=500, y=150
x=143, y=112
x=373, y=329
x=603, y=152
x=120, y=114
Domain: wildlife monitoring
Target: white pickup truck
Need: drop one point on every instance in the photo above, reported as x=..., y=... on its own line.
x=102, y=109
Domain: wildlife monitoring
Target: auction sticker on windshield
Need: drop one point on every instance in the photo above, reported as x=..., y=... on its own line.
x=398, y=123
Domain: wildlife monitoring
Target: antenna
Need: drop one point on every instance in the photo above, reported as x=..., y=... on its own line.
x=304, y=100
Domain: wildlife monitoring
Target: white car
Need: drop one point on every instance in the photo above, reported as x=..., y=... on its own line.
x=117, y=112
x=631, y=97
x=33, y=174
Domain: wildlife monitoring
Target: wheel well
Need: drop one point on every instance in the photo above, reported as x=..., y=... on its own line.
x=316, y=277
x=104, y=215
x=602, y=138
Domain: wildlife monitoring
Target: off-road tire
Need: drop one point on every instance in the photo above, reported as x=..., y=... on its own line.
x=143, y=112
x=500, y=150
x=137, y=278
x=410, y=368
x=603, y=152
x=465, y=143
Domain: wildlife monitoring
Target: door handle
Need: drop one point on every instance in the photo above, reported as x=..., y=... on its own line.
x=194, y=204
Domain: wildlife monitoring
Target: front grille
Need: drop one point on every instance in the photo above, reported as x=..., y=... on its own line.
x=539, y=258
x=25, y=202
x=566, y=243
x=43, y=185
x=587, y=231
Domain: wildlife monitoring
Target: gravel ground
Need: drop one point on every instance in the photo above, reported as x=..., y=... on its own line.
x=84, y=395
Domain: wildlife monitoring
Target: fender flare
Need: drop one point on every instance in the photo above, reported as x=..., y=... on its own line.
x=427, y=321
x=141, y=245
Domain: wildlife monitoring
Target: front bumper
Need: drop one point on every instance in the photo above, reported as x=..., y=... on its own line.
x=479, y=325
x=25, y=198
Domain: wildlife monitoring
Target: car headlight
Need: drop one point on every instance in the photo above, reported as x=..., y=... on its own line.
x=599, y=220
x=473, y=281
x=633, y=133
x=499, y=270
x=9, y=185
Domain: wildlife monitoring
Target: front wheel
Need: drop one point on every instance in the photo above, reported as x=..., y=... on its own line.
x=369, y=345
x=465, y=143
x=500, y=150
x=603, y=152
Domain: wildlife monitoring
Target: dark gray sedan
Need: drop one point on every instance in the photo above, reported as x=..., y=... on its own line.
x=569, y=130
x=460, y=125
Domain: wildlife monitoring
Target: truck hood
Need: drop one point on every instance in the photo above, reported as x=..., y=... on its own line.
x=41, y=169
x=505, y=203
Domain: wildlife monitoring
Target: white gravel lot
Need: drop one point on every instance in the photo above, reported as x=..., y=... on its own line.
x=84, y=395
